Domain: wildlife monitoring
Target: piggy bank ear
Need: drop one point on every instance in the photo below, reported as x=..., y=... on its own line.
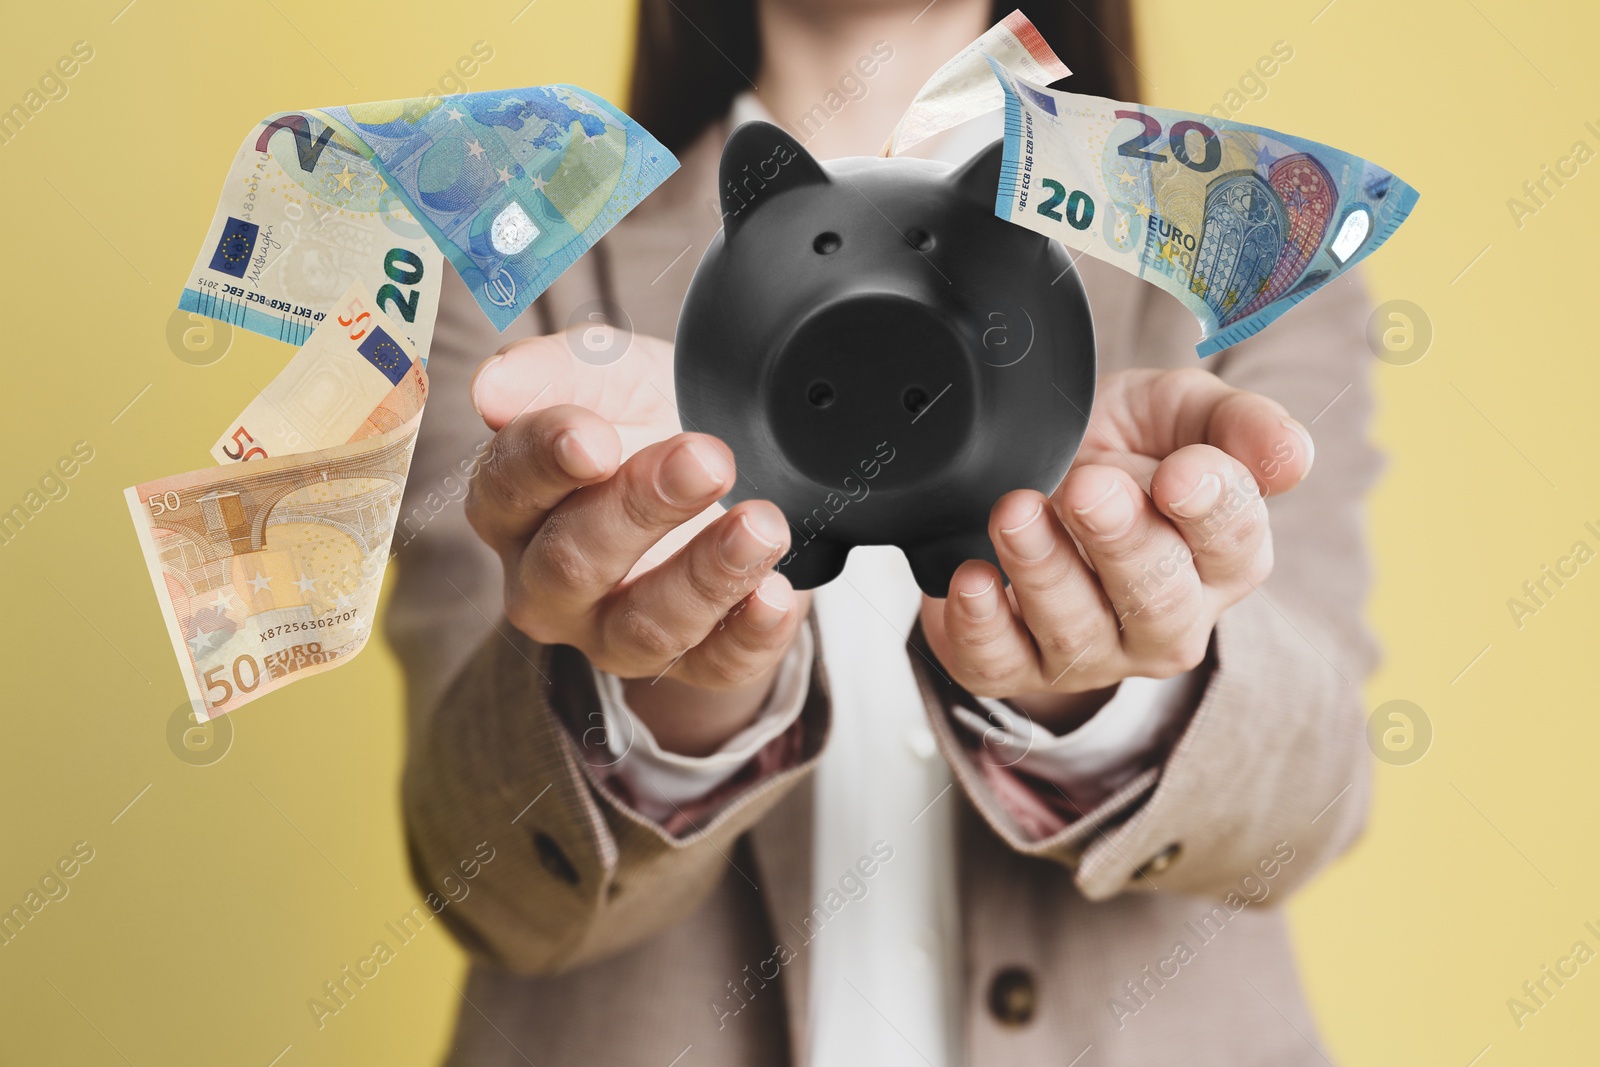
x=978, y=178
x=759, y=162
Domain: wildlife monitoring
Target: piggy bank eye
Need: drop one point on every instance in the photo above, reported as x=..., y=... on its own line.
x=921, y=240
x=827, y=243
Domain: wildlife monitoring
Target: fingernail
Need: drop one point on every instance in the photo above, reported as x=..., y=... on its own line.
x=775, y=594
x=748, y=542
x=981, y=605
x=1031, y=540
x=480, y=387
x=1305, y=436
x=693, y=472
x=1109, y=516
x=1201, y=499
x=576, y=457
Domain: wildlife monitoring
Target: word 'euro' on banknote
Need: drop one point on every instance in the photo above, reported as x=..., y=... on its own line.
x=1238, y=222
x=512, y=186
x=268, y=569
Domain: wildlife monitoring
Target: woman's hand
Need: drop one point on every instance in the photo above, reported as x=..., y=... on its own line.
x=605, y=518
x=1159, y=526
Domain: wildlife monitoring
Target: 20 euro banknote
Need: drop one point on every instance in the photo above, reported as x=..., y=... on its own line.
x=1238, y=222
x=303, y=216
x=513, y=185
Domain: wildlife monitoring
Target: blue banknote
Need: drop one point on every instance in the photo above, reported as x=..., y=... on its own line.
x=513, y=186
x=1238, y=222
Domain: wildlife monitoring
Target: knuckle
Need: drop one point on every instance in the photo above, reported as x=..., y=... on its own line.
x=712, y=583
x=503, y=481
x=1055, y=578
x=725, y=668
x=1164, y=602
x=974, y=640
x=984, y=676
x=1068, y=640
x=1239, y=532
x=640, y=504
x=654, y=642
x=561, y=557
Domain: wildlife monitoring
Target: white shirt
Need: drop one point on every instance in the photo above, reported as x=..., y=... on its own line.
x=886, y=969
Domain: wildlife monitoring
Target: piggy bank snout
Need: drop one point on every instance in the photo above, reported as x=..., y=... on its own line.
x=869, y=375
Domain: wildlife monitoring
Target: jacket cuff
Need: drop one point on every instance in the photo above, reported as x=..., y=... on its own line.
x=677, y=791
x=1272, y=763
x=1032, y=813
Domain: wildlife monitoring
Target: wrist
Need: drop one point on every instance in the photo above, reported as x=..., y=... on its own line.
x=690, y=720
x=1061, y=713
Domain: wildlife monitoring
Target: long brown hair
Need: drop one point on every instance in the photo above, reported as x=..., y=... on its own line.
x=691, y=57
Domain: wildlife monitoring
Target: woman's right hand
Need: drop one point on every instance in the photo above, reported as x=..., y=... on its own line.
x=605, y=518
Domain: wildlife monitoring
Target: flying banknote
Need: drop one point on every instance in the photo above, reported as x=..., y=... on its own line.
x=331, y=234
x=1238, y=222
x=511, y=186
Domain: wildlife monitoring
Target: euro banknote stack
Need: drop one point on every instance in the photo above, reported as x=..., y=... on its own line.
x=331, y=234
x=1238, y=222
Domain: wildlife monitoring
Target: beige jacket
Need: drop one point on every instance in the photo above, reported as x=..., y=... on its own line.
x=1146, y=932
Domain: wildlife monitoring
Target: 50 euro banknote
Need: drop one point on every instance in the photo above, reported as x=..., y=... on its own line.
x=1238, y=222
x=268, y=568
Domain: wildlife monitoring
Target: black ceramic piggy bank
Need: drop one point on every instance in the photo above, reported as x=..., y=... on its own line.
x=885, y=356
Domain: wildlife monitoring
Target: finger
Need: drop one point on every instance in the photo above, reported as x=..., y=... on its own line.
x=1219, y=511
x=1060, y=598
x=1158, y=412
x=540, y=372
x=532, y=465
x=525, y=375
x=588, y=544
x=982, y=641
x=673, y=607
x=1145, y=568
x=752, y=638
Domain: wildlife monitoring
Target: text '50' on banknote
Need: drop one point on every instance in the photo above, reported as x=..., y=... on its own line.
x=1238, y=222
x=268, y=568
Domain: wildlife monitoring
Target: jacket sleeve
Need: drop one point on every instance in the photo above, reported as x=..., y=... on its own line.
x=1275, y=752
x=502, y=740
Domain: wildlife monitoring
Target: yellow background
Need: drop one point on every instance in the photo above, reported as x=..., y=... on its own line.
x=222, y=899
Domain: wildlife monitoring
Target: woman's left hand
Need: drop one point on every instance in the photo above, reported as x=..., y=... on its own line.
x=1165, y=501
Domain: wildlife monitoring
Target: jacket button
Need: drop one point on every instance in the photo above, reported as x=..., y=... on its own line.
x=552, y=859
x=1013, y=997
x=1160, y=861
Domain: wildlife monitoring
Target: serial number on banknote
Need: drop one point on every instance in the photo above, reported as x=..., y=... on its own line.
x=314, y=624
